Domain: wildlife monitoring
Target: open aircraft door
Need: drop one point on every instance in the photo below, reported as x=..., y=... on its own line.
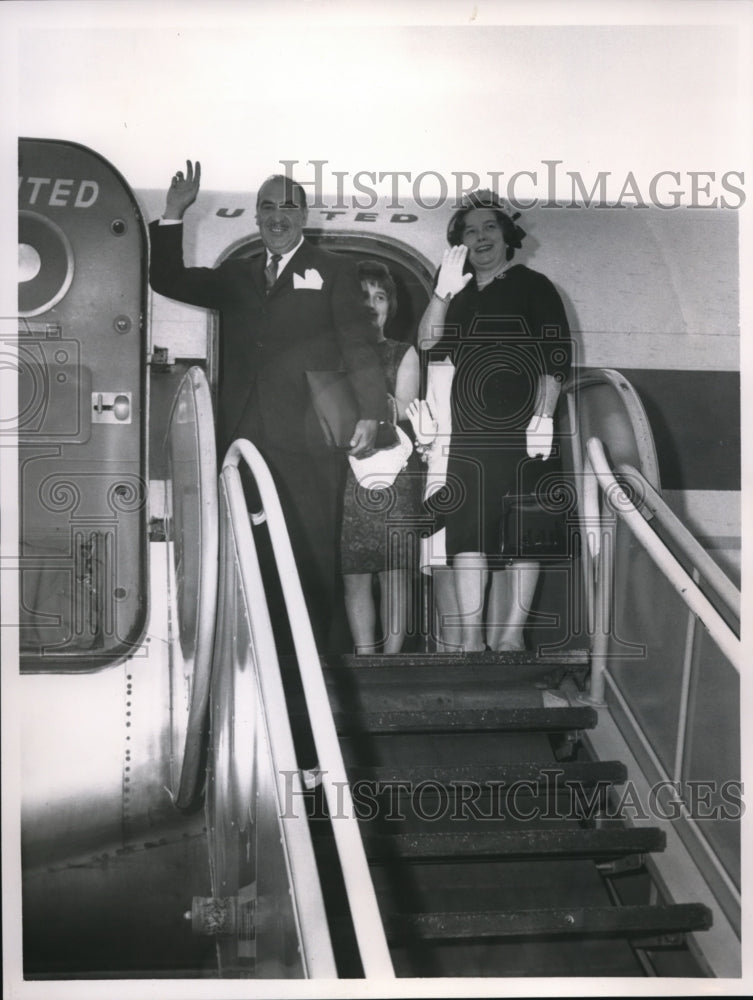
x=81, y=375
x=192, y=535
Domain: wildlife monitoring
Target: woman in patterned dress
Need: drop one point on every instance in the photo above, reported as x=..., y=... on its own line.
x=379, y=525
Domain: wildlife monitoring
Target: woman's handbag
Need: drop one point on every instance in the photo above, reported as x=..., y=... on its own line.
x=380, y=468
x=530, y=529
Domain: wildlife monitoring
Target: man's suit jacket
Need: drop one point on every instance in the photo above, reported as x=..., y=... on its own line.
x=269, y=341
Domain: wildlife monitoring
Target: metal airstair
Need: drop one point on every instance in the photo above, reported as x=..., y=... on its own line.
x=424, y=815
x=492, y=839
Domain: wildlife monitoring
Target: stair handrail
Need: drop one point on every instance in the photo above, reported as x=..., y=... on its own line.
x=687, y=544
x=587, y=489
x=243, y=618
x=621, y=504
x=586, y=378
x=359, y=887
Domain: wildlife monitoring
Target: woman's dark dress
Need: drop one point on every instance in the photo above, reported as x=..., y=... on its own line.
x=501, y=339
x=374, y=521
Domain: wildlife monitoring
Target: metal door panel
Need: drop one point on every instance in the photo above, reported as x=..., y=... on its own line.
x=81, y=422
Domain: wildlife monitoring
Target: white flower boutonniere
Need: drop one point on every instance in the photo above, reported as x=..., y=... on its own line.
x=311, y=279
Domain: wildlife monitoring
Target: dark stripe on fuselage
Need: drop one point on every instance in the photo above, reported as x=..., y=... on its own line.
x=694, y=416
x=695, y=419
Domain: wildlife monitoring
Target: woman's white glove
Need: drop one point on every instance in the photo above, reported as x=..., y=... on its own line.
x=539, y=435
x=422, y=420
x=451, y=279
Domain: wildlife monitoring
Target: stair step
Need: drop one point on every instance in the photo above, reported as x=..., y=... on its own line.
x=467, y=720
x=569, y=657
x=601, y=921
x=601, y=844
x=547, y=777
x=472, y=671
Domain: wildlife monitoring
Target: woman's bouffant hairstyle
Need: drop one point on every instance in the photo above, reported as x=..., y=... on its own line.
x=378, y=274
x=512, y=233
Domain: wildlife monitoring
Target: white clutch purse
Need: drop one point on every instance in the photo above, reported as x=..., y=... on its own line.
x=379, y=470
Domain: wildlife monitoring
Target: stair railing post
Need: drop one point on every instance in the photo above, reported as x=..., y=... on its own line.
x=603, y=593
x=598, y=551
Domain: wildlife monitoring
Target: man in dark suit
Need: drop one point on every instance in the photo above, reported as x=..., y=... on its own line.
x=297, y=308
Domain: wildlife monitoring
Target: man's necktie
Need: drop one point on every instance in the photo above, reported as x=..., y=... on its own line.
x=270, y=271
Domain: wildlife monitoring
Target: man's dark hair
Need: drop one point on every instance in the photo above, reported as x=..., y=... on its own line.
x=292, y=188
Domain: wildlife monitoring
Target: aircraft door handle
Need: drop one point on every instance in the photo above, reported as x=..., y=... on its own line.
x=111, y=407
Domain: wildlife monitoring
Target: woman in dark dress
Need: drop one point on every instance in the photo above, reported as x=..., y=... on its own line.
x=504, y=327
x=379, y=525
